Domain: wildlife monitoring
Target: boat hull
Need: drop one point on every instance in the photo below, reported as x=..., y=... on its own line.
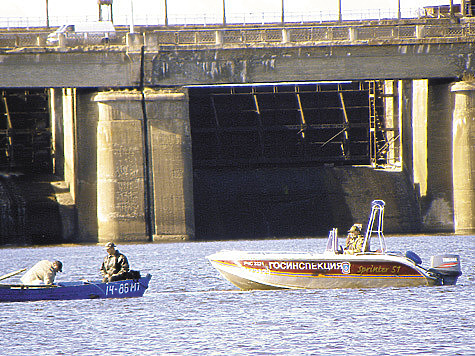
x=75, y=290
x=250, y=271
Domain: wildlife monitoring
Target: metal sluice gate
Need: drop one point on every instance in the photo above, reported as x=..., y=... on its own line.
x=25, y=134
x=289, y=124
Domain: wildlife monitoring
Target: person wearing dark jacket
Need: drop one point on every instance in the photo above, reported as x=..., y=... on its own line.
x=115, y=266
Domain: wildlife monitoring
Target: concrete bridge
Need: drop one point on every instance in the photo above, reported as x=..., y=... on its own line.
x=404, y=49
x=144, y=164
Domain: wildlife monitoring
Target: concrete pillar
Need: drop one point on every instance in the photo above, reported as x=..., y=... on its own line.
x=120, y=180
x=55, y=98
x=120, y=165
x=170, y=141
x=464, y=157
x=353, y=34
x=405, y=114
x=419, y=134
x=285, y=36
x=87, y=114
x=62, y=41
x=391, y=115
x=437, y=209
x=66, y=205
x=219, y=35
x=419, y=31
x=150, y=40
x=432, y=153
x=40, y=41
x=69, y=124
x=134, y=42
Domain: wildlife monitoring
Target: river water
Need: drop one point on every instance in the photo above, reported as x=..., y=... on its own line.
x=190, y=310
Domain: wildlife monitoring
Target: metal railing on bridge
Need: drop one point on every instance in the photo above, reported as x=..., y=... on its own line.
x=303, y=33
x=265, y=34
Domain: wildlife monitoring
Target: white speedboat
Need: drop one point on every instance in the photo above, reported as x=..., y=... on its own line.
x=335, y=268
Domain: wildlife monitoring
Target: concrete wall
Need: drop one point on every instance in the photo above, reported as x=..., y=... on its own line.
x=278, y=202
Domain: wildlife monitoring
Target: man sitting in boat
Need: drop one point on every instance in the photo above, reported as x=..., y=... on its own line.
x=115, y=266
x=354, y=240
x=42, y=272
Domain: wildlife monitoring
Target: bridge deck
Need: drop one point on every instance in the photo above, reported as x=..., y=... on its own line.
x=418, y=48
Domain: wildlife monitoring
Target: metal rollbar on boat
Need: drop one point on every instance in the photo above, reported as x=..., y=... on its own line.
x=377, y=214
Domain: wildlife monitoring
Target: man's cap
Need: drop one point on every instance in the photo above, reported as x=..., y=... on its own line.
x=354, y=228
x=109, y=244
x=60, y=265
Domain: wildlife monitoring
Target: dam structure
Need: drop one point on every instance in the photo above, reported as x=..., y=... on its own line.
x=177, y=133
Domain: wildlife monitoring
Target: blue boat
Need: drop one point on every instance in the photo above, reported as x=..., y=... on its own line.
x=129, y=288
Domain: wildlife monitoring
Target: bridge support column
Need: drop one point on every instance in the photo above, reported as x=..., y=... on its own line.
x=432, y=153
x=120, y=166
x=69, y=137
x=391, y=113
x=464, y=157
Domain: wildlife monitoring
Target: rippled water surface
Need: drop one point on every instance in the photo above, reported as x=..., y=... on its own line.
x=190, y=310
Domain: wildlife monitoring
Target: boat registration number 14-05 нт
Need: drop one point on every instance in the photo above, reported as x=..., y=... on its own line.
x=123, y=288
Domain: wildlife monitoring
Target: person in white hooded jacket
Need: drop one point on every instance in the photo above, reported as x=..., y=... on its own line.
x=42, y=272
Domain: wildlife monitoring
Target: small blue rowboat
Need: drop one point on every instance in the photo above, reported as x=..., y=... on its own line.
x=75, y=290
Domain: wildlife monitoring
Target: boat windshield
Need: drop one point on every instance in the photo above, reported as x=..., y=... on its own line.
x=332, y=243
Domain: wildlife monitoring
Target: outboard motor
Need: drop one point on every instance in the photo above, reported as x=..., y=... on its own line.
x=447, y=267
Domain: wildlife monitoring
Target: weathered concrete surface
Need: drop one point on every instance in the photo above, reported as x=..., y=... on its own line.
x=405, y=91
x=69, y=139
x=437, y=207
x=70, y=69
x=120, y=174
x=86, y=116
x=432, y=152
x=188, y=65
x=391, y=114
x=295, y=202
x=464, y=156
x=419, y=133
x=310, y=63
x=170, y=142
x=120, y=168
x=66, y=203
x=180, y=56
